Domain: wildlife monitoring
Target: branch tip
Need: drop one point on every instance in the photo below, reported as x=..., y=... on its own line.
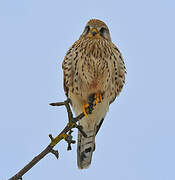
x=51, y=137
x=52, y=104
x=55, y=152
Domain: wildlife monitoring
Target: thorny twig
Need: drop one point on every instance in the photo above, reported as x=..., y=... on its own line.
x=65, y=134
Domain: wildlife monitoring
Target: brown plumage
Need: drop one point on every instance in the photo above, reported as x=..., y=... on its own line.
x=93, y=65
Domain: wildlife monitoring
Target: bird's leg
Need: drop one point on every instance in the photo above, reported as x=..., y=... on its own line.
x=88, y=108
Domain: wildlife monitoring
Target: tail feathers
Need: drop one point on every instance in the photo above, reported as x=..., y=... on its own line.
x=86, y=146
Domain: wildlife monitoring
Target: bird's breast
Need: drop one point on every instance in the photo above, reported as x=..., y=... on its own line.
x=94, y=73
x=92, y=66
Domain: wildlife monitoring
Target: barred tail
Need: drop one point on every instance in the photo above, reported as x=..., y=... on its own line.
x=85, y=148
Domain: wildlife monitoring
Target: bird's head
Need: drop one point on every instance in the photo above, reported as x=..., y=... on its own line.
x=96, y=29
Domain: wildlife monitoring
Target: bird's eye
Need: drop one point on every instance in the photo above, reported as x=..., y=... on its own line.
x=86, y=30
x=102, y=31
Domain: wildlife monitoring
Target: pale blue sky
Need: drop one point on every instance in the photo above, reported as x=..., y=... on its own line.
x=137, y=140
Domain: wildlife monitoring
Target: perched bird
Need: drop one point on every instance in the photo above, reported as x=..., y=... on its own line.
x=92, y=67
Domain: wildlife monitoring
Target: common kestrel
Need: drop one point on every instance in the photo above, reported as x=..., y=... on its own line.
x=93, y=68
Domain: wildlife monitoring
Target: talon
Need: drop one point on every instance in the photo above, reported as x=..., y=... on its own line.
x=101, y=98
x=98, y=98
x=85, y=106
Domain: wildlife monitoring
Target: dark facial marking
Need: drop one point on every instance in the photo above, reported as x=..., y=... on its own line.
x=103, y=31
x=86, y=30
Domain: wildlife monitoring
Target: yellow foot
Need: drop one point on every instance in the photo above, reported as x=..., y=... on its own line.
x=85, y=107
x=98, y=98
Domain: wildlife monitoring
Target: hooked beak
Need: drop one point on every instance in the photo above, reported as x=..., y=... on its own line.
x=94, y=31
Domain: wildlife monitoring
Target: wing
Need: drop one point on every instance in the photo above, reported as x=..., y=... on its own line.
x=69, y=68
x=119, y=71
x=67, y=71
x=99, y=125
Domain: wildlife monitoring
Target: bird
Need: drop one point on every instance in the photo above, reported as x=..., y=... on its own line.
x=93, y=68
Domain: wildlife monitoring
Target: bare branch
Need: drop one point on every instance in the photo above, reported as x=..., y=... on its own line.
x=65, y=134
